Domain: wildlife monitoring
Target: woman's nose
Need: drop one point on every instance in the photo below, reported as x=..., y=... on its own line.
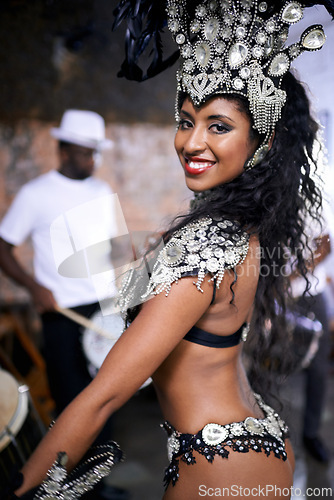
x=196, y=141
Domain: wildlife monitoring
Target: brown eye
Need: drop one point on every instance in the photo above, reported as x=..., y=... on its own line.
x=219, y=128
x=184, y=124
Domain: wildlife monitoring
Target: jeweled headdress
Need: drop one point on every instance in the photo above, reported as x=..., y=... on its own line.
x=238, y=46
x=226, y=46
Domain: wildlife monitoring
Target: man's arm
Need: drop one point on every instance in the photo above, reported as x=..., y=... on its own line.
x=42, y=297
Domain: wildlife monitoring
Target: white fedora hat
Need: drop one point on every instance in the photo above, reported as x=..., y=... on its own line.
x=84, y=128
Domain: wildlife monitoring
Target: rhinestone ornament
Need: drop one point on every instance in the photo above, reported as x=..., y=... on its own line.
x=214, y=434
x=173, y=26
x=253, y=425
x=188, y=66
x=245, y=72
x=172, y=254
x=173, y=446
x=240, y=32
x=195, y=26
x=294, y=51
x=211, y=29
x=238, y=84
x=237, y=55
x=268, y=46
x=186, y=51
x=180, y=39
x=314, y=38
x=279, y=65
x=220, y=47
x=202, y=53
x=292, y=13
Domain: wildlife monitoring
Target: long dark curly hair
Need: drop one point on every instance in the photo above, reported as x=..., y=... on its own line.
x=273, y=200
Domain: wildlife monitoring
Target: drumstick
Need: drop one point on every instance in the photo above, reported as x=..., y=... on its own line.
x=83, y=321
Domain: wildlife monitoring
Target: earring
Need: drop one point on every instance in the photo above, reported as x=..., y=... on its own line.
x=257, y=157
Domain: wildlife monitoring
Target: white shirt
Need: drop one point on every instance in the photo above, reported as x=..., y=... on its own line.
x=64, y=218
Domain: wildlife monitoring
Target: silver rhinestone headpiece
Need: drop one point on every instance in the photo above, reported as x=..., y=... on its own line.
x=239, y=47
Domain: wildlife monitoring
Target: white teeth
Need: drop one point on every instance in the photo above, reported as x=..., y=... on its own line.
x=198, y=165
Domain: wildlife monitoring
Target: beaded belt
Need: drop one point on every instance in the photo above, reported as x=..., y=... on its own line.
x=261, y=435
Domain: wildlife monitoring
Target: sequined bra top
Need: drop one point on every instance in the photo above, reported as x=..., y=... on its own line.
x=199, y=336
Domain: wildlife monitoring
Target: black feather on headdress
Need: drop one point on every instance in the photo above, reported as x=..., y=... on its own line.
x=146, y=20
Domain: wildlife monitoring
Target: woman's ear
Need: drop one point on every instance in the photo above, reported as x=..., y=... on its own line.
x=271, y=140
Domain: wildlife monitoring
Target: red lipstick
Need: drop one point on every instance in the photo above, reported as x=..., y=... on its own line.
x=196, y=166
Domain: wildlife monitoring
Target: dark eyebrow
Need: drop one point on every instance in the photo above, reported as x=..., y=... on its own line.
x=185, y=113
x=221, y=117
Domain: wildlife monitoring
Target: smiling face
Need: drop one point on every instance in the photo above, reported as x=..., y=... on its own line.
x=213, y=142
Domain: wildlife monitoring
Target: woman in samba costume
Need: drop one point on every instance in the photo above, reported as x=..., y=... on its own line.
x=245, y=141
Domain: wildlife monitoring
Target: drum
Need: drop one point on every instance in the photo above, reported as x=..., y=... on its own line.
x=97, y=343
x=20, y=427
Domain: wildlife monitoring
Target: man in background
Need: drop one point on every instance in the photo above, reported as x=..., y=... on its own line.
x=51, y=197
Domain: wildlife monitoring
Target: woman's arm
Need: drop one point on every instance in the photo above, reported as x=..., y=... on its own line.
x=155, y=332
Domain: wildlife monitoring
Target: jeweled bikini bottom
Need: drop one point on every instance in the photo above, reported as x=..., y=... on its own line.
x=261, y=435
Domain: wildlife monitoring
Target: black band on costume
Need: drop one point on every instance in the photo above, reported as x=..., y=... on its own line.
x=199, y=336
